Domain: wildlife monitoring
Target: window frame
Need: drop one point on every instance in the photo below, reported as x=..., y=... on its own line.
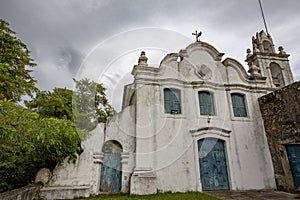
x=212, y=103
x=174, y=99
x=234, y=106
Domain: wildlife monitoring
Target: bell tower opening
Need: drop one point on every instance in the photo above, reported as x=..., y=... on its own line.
x=267, y=46
x=276, y=73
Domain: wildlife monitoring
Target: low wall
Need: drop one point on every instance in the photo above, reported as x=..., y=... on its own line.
x=65, y=192
x=25, y=193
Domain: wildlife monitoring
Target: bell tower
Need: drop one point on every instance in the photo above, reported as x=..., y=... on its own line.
x=265, y=62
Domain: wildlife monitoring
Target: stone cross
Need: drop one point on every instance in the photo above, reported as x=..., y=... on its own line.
x=197, y=35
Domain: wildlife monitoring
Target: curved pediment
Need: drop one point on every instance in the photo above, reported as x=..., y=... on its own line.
x=193, y=48
x=203, y=46
x=197, y=62
x=200, y=62
x=237, y=71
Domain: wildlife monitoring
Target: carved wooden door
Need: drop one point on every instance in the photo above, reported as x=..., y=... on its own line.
x=111, y=173
x=213, y=167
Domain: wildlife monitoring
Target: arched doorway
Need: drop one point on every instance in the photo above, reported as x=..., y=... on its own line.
x=111, y=171
x=213, y=165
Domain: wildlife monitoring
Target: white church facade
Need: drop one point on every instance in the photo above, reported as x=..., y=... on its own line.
x=191, y=124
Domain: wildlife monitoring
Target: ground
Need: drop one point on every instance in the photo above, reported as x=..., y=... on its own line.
x=162, y=196
x=208, y=195
x=250, y=195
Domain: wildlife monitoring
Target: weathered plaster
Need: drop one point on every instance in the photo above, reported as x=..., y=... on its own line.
x=159, y=150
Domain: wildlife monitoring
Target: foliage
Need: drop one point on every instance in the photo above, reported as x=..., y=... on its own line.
x=164, y=196
x=29, y=142
x=15, y=78
x=87, y=105
x=90, y=104
x=56, y=104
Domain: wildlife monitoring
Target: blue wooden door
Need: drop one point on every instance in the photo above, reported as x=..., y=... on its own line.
x=293, y=153
x=213, y=167
x=111, y=173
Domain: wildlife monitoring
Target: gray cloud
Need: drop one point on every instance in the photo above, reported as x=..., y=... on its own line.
x=62, y=33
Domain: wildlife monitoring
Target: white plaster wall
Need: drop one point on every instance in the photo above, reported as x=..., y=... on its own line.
x=179, y=175
x=84, y=171
x=164, y=141
x=94, y=142
x=121, y=128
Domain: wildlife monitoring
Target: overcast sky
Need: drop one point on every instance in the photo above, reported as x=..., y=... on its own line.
x=68, y=37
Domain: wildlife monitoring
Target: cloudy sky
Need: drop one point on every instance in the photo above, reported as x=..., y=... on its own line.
x=102, y=39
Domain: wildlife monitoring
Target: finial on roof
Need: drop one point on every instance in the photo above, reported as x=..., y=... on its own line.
x=143, y=59
x=281, y=50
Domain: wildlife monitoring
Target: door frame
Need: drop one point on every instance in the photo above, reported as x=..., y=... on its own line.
x=115, y=147
x=216, y=133
x=224, y=160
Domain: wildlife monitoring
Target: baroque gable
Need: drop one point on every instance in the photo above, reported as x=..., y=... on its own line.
x=198, y=63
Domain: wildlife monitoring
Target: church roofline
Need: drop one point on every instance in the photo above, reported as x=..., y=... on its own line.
x=234, y=63
x=211, y=49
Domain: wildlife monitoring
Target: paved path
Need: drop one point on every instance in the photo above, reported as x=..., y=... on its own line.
x=251, y=195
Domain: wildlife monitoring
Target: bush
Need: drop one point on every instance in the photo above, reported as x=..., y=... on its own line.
x=29, y=142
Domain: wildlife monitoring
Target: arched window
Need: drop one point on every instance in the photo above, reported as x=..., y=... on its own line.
x=206, y=103
x=276, y=73
x=238, y=105
x=172, y=101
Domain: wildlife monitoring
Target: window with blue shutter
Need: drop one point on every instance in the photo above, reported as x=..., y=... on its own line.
x=238, y=105
x=172, y=101
x=206, y=103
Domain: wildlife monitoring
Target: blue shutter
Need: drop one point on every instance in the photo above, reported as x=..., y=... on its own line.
x=172, y=100
x=167, y=102
x=206, y=103
x=238, y=105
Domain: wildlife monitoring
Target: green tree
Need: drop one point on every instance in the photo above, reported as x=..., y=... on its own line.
x=87, y=105
x=57, y=103
x=15, y=64
x=90, y=104
x=29, y=142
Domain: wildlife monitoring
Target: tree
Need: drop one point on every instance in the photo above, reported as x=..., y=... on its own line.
x=87, y=105
x=90, y=104
x=29, y=142
x=15, y=61
x=56, y=104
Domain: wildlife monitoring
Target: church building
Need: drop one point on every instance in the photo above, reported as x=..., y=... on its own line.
x=191, y=124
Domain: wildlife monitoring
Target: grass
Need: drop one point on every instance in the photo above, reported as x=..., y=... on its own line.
x=159, y=196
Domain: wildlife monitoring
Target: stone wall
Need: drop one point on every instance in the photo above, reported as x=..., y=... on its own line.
x=281, y=114
x=28, y=192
